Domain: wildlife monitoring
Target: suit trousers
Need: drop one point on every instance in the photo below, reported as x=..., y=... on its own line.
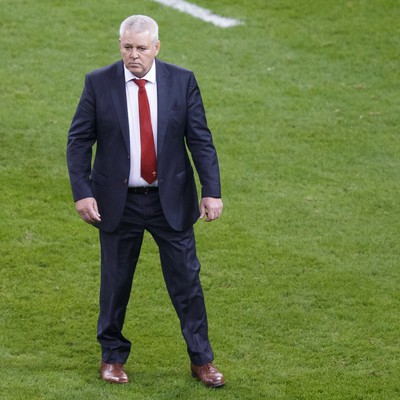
x=180, y=267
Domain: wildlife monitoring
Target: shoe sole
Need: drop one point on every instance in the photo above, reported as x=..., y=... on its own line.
x=214, y=386
x=115, y=382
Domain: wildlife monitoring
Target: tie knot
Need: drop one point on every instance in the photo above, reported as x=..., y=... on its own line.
x=140, y=82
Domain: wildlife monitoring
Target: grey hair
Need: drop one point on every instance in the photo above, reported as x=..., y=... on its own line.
x=139, y=24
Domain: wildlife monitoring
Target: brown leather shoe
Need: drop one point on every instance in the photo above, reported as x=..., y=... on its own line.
x=208, y=374
x=113, y=373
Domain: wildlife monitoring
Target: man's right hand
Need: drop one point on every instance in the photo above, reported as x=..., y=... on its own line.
x=87, y=209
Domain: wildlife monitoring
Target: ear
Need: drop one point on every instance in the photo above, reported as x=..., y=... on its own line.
x=157, y=47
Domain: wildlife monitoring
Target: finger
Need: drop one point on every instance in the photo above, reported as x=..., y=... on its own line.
x=212, y=215
x=90, y=216
x=86, y=218
x=94, y=216
x=203, y=211
x=96, y=210
x=93, y=212
x=84, y=215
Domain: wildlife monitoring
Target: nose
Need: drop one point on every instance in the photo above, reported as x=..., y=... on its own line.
x=134, y=54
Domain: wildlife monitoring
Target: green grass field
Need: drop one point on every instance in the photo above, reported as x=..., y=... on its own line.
x=301, y=274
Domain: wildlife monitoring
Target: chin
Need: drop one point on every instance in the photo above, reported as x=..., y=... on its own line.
x=136, y=71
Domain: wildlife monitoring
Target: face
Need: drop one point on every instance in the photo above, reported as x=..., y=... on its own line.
x=138, y=51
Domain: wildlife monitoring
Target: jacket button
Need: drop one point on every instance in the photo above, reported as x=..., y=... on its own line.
x=125, y=181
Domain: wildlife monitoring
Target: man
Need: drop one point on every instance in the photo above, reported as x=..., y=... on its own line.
x=142, y=114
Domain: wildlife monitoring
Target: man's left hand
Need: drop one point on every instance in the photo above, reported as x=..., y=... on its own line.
x=211, y=208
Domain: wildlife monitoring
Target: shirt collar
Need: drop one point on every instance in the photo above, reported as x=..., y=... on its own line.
x=150, y=76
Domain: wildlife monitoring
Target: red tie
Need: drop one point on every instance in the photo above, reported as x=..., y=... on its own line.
x=148, y=165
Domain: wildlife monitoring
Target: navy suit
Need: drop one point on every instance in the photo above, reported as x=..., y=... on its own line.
x=101, y=117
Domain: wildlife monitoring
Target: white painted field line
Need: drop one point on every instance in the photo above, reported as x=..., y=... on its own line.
x=200, y=12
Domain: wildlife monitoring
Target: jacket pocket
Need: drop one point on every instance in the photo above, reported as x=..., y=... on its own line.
x=185, y=175
x=98, y=177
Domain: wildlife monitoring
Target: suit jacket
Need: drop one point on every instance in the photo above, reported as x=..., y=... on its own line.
x=101, y=118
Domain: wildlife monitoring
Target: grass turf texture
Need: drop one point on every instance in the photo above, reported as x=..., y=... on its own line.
x=301, y=273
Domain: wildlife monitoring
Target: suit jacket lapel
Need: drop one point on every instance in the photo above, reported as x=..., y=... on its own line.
x=163, y=90
x=118, y=93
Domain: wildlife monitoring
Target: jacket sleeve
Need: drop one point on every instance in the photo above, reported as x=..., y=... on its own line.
x=81, y=138
x=200, y=143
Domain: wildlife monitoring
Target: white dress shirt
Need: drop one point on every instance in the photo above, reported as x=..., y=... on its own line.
x=134, y=126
